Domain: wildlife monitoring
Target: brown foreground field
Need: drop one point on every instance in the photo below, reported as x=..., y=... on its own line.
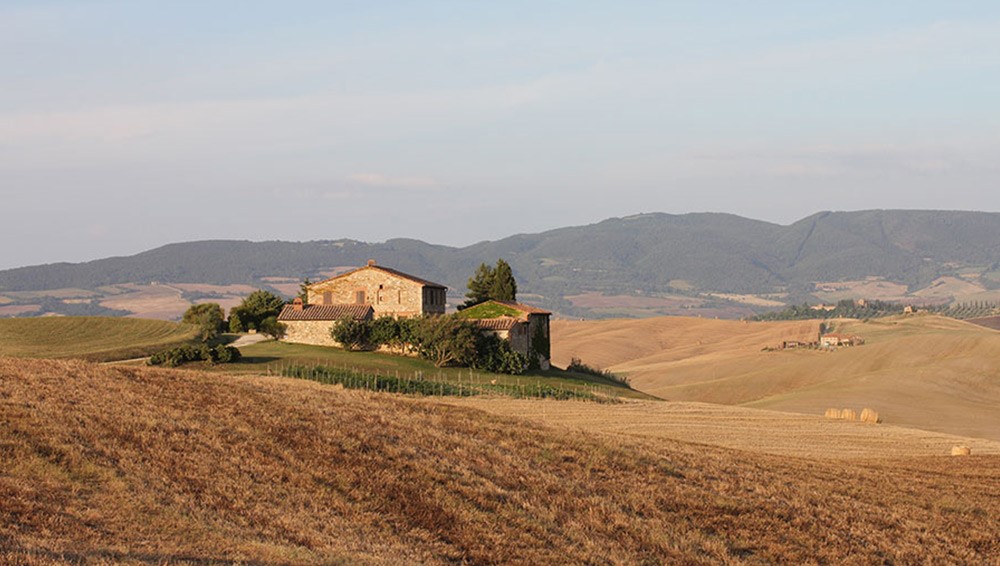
x=107, y=464
x=923, y=372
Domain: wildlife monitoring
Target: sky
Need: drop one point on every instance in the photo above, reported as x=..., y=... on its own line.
x=126, y=125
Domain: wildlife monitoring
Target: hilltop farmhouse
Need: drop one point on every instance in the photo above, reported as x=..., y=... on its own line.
x=374, y=291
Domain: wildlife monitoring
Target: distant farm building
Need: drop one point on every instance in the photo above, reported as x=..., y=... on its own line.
x=524, y=326
x=834, y=340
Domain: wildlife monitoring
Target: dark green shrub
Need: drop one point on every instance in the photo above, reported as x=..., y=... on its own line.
x=353, y=334
x=208, y=317
x=272, y=328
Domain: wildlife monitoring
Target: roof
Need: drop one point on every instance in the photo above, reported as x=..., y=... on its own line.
x=390, y=271
x=528, y=309
x=499, y=323
x=326, y=312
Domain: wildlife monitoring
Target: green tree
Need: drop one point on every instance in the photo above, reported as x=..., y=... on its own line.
x=208, y=317
x=304, y=290
x=352, y=334
x=446, y=340
x=496, y=283
x=272, y=328
x=503, y=287
x=236, y=323
x=258, y=306
x=479, y=286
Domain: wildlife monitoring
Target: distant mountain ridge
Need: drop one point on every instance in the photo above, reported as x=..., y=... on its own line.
x=643, y=254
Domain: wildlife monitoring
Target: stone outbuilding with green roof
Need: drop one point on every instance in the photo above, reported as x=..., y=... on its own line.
x=524, y=326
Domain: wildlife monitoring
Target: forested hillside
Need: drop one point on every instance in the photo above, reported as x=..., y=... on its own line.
x=691, y=254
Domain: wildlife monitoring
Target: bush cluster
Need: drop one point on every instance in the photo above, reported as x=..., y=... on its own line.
x=576, y=365
x=174, y=357
x=443, y=340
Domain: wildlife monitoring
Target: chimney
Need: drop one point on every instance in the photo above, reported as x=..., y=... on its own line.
x=371, y=263
x=297, y=304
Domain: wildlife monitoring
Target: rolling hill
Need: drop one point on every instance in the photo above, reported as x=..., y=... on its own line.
x=925, y=372
x=91, y=338
x=105, y=464
x=716, y=264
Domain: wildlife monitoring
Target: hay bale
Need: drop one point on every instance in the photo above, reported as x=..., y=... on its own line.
x=849, y=415
x=870, y=416
x=961, y=451
x=832, y=413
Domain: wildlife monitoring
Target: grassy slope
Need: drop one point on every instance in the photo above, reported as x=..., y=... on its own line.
x=924, y=372
x=93, y=338
x=135, y=464
x=267, y=357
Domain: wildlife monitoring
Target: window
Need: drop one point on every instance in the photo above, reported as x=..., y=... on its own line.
x=359, y=297
x=327, y=298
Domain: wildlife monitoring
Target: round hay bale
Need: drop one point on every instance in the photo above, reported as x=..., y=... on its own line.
x=870, y=416
x=849, y=415
x=961, y=451
x=832, y=413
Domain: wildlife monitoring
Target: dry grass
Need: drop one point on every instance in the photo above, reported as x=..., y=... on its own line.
x=921, y=371
x=122, y=465
x=738, y=428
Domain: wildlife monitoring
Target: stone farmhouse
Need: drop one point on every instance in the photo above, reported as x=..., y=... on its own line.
x=362, y=294
x=374, y=291
x=389, y=292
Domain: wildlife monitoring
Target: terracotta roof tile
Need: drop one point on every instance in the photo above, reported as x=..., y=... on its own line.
x=499, y=323
x=326, y=312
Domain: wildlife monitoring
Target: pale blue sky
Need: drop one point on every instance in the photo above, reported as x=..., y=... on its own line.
x=127, y=125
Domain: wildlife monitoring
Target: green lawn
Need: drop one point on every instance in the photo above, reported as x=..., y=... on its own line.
x=273, y=357
x=89, y=337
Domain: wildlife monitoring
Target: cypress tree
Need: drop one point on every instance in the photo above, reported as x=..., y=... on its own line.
x=504, y=287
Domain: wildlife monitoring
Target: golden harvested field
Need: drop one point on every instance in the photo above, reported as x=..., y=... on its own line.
x=149, y=301
x=93, y=338
x=922, y=372
x=738, y=428
x=135, y=465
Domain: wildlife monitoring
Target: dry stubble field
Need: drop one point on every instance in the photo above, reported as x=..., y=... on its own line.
x=921, y=372
x=107, y=464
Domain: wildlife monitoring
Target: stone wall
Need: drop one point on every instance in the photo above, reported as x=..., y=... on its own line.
x=521, y=335
x=316, y=332
x=388, y=294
